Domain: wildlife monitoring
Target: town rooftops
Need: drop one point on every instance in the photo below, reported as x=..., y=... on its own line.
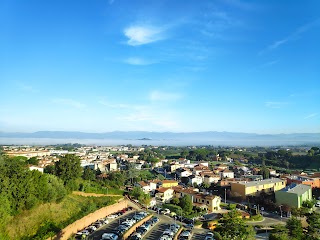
x=162, y=189
x=300, y=178
x=168, y=181
x=262, y=182
x=296, y=188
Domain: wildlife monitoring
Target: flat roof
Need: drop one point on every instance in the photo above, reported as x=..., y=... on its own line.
x=261, y=182
x=296, y=188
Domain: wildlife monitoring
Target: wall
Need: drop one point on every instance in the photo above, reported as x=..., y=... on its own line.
x=82, y=223
x=135, y=226
x=289, y=199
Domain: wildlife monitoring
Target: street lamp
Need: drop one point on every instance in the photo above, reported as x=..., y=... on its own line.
x=225, y=195
x=280, y=212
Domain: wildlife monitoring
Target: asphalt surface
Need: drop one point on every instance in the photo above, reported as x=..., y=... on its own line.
x=113, y=223
x=157, y=230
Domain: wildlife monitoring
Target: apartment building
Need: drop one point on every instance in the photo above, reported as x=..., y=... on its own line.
x=294, y=195
x=254, y=188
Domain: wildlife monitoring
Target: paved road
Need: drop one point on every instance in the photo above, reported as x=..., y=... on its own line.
x=162, y=225
x=110, y=226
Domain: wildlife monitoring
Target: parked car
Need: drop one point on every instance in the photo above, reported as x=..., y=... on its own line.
x=155, y=219
x=317, y=204
x=109, y=236
x=209, y=236
x=165, y=211
x=189, y=226
x=112, y=216
x=185, y=235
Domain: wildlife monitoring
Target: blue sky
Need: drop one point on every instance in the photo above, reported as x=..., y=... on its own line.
x=155, y=65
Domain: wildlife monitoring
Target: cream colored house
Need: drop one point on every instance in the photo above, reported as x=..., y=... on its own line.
x=227, y=174
x=212, y=202
x=164, y=194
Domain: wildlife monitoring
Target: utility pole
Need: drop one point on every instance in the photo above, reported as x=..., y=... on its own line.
x=225, y=195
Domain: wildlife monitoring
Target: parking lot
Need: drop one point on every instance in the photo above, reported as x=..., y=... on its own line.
x=112, y=225
x=155, y=231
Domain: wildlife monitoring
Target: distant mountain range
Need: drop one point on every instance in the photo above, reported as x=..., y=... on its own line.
x=166, y=138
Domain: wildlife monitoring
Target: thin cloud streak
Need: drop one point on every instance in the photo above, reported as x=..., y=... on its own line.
x=275, y=104
x=164, y=96
x=137, y=61
x=312, y=115
x=69, y=102
x=295, y=35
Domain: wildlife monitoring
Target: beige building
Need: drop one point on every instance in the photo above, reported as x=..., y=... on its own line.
x=212, y=202
x=164, y=194
x=254, y=188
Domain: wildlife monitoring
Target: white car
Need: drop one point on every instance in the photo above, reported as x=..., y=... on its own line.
x=317, y=204
x=112, y=216
x=168, y=233
x=165, y=211
x=109, y=236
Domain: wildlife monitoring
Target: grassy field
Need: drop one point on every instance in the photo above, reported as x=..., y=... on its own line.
x=47, y=219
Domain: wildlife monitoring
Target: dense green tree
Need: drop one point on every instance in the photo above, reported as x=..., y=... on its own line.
x=175, y=201
x=186, y=204
x=68, y=169
x=265, y=172
x=33, y=161
x=313, y=220
x=295, y=228
x=89, y=174
x=50, y=169
x=233, y=227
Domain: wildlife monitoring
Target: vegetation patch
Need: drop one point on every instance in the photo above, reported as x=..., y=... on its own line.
x=47, y=219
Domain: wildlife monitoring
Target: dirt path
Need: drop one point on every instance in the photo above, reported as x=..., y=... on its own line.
x=95, y=194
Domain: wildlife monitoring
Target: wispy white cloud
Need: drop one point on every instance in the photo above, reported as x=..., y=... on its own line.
x=268, y=64
x=144, y=34
x=69, y=102
x=245, y=5
x=311, y=115
x=275, y=104
x=137, y=61
x=164, y=96
x=215, y=22
x=26, y=87
x=293, y=36
x=112, y=105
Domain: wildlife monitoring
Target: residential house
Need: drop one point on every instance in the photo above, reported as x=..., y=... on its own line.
x=164, y=194
x=314, y=182
x=200, y=168
x=294, y=195
x=169, y=183
x=174, y=166
x=144, y=185
x=227, y=174
x=273, y=172
x=183, y=172
x=210, y=202
x=195, y=180
x=254, y=188
x=211, y=178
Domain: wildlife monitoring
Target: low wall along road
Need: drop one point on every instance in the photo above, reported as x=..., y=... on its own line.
x=82, y=223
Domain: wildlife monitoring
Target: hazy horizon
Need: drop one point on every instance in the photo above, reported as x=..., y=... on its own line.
x=179, y=66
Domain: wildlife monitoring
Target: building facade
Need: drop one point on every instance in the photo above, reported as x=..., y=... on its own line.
x=294, y=195
x=254, y=188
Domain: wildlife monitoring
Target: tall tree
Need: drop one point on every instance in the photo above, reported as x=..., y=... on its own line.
x=68, y=169
x=295, y=228
x=186, y=204
x=233, y=227
x=89, y=174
